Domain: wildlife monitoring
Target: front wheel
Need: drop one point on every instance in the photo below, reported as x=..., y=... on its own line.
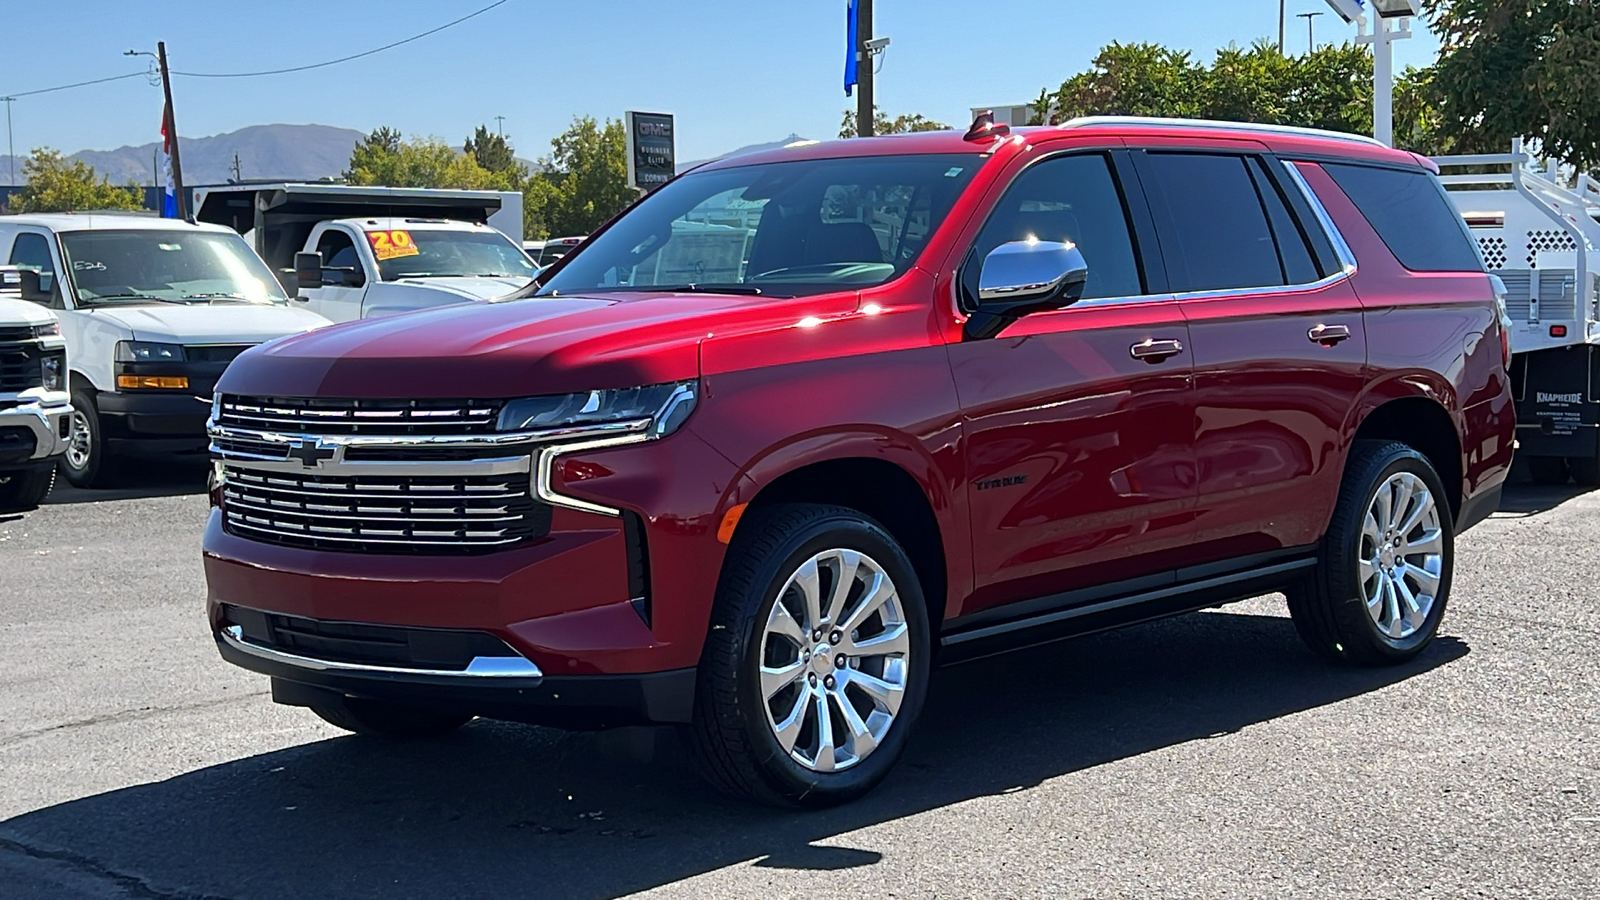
x=84, y=463
x=24, y=491
x=817, y=660
x=1380, y=589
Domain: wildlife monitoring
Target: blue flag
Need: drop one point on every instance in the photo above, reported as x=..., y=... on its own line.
x=850, y=50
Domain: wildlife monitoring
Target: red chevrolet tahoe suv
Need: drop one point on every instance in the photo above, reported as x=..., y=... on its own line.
x=802, y=423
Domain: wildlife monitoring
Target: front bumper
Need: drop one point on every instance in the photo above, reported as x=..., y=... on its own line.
x=34, y=426
x=156, y=420
x=510, y=688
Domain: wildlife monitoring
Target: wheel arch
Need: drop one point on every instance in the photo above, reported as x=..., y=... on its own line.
x=1424, y=425
x=883, y=490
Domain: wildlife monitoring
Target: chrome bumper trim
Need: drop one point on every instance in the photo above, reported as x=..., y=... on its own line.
x=44, y=420
x=480, y=667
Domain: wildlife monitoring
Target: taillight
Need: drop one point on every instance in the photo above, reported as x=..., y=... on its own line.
x=1505, y=345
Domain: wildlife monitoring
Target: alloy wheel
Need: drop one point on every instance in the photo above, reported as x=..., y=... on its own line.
x=1401, y=556
x=835, y=654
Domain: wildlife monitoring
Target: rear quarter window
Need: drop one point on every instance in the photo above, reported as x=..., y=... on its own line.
x=1410, y=211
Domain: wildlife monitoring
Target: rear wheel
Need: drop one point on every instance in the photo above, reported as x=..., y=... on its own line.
x=391, y=720
x=1547, y=469
x=1378, y=594
x=817, y=660
x=1585, y=470
x=23, y=491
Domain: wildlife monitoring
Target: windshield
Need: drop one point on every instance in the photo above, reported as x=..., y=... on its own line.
x=785, y=229
x=166, y=265
x=422, y=253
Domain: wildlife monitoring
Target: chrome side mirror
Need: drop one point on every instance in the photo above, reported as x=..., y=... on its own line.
x=1022, y=277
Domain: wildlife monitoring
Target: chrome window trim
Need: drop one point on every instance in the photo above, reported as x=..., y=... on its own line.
x=1326, y=221
x=481, y=667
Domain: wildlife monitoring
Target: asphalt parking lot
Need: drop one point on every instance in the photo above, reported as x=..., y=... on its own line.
x=1206, y=756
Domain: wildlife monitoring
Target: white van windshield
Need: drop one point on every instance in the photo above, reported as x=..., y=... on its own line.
x=161, y=266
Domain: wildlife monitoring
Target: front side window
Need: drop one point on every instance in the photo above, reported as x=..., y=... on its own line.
x=783, y=229
x=1217, y=222
x=424, y=253
x=166, y=266
x=32, y=251
x=1073, y=199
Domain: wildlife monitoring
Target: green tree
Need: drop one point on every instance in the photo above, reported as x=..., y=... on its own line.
x=582, y=183
x=492, y=152
x=383, y=159
x=1528, y=68
x=882, y=124
x=1329, y=88
x=57, y=184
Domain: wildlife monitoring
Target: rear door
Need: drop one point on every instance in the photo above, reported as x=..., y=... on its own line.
x=1079, y=458
x=1278, y=344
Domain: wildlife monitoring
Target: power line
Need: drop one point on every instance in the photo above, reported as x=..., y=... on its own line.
x=79, y=84
x=343, y=59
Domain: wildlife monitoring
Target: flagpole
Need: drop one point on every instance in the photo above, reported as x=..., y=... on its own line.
x=866, y=111
x=172, y=131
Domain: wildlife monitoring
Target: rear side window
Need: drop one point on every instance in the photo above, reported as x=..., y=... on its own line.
x=1410, y=212
x=1218, y=222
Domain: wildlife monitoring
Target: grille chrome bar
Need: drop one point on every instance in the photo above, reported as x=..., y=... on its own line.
x=370, y=417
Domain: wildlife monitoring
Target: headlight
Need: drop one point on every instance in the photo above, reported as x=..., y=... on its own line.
x=666, y=406
x=50, y=370
x=48, y=329
x=145, y=351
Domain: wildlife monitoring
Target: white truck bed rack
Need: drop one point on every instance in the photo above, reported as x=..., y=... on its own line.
x=1540, y=236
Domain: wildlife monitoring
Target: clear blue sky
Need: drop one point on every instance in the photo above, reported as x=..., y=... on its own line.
x=734, y=71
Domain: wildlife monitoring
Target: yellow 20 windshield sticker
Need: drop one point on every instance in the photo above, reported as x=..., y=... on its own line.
x=392, y=244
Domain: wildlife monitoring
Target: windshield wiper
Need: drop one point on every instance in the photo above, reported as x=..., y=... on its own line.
x=218, y=295
x=93, y=300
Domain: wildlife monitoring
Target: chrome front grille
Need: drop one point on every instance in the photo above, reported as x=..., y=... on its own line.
x=359, y=417
x=407, y=514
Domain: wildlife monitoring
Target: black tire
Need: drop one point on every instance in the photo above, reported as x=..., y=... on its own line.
x=734, y=746
x=376, y=718
x=1327, y=606
x=23, y=491
x=1547, y=469
x=94, y=472
x=1585, y=470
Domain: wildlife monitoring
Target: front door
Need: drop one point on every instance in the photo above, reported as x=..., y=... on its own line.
x=344, y=285
x=1078, y=422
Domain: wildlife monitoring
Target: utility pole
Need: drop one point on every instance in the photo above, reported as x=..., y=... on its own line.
x=172, y=130
x=1311, y=35
x=10, y=151
x=238, y=170
x=500, y=125
x=865, y=110
x=1281, y=10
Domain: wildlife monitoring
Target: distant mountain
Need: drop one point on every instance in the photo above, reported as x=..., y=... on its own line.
x=288, y=152
x=749, y=148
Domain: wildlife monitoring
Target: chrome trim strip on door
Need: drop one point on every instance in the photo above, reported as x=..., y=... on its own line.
x=481, y=667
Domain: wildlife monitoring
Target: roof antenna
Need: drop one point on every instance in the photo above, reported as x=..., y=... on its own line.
x=984, y=127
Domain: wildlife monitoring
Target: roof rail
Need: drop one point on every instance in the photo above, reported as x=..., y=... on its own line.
x=1156, y=122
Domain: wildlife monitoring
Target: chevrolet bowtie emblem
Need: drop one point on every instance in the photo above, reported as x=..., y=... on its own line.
x=312, y=454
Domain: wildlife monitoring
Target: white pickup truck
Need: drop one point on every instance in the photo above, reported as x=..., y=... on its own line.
x=152, y=310
x=360, y=268
x=382, y=250
x=35, y=411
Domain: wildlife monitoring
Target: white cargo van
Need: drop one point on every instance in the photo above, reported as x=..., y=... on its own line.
x=153, y=310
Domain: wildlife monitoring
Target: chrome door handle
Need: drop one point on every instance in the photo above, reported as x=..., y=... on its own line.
x=1328, y=335
x=1154, y=351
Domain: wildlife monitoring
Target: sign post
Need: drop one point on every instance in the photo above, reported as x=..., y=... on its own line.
x=652, y=150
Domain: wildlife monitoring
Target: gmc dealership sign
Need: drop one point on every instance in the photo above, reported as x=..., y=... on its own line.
x=652, y=158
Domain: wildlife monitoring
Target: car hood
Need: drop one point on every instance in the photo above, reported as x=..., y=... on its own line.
x=208, y=324
x=24, y=312
x=524, y=347
x=486, y=287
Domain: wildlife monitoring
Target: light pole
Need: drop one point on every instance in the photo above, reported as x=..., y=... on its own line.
x=1281, y=10
x=11, y=151
x=1383, y=34
x=500, y=125
x=1311, y=35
